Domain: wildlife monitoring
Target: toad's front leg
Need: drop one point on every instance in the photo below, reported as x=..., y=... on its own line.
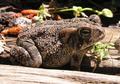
x=77, y=58
x=75, y=62
x=26, y=54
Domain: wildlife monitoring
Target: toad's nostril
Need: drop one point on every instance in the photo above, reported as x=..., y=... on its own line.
x=100, y=34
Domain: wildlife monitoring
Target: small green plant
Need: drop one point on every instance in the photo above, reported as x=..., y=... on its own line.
x=101, y=50
x=78, y=10
x=42, y=14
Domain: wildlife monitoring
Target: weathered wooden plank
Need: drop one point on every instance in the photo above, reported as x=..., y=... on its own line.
x=111, y=61
x=26, y=75
x=111, y=34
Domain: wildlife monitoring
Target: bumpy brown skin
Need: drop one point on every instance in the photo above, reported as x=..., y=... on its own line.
x=55, y=45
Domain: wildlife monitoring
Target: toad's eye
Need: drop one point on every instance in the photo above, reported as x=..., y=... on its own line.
x=85, y=32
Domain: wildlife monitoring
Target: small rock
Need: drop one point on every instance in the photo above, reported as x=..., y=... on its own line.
x=22, y=21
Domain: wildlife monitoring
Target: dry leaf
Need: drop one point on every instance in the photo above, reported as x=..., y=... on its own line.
x=12, y=31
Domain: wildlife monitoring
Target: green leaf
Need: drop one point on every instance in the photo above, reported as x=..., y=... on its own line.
x=101, y=49
x=43, y=11
x=77, y=10
x=108, y=13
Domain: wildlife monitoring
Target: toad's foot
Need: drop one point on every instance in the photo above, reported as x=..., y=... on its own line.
x=27, y=54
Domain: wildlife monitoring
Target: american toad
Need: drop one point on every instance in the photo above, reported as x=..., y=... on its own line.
x=56, y=43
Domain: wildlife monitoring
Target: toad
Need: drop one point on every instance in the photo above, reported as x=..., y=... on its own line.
x=55, y=44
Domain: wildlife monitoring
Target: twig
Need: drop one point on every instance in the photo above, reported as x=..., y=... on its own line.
x=8, y=40
x=5, y=8
x=6, y=48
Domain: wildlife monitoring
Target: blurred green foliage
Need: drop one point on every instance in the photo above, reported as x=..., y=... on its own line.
x=78, y=10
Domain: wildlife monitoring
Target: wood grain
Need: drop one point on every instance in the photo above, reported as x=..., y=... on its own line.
x=24, y=75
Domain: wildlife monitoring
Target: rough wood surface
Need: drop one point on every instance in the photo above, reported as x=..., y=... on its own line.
x=111, y=61
x=111, y=34
x=25, y=75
